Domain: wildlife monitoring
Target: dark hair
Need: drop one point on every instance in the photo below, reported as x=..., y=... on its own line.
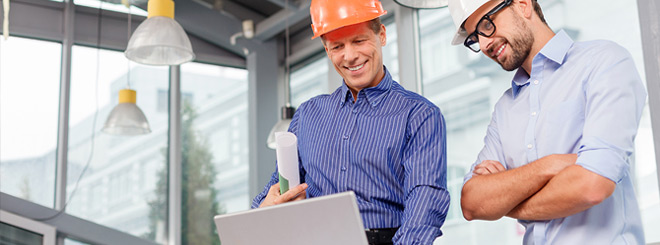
x=374, y=25
x=539, y=12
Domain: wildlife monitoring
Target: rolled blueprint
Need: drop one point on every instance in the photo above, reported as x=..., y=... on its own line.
x=287, y=160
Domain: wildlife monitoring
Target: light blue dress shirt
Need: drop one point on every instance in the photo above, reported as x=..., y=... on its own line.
x=584, y=98
x=388, y=147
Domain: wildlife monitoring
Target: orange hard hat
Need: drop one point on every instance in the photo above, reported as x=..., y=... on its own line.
x=328, y=15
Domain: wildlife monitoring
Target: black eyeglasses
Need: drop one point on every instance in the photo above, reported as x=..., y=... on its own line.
x=485, y=27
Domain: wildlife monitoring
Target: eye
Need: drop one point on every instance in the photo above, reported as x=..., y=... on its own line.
x=485, y=26
x=335, y=47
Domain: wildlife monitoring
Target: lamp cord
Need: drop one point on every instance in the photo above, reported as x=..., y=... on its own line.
x=287, y=69
x=128, y=61
x=93, y=137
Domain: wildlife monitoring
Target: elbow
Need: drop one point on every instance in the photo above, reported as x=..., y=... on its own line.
x=597, y=195
x=477, y=211
x=596, y=190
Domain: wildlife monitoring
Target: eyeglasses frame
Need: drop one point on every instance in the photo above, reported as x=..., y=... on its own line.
x=476, y=32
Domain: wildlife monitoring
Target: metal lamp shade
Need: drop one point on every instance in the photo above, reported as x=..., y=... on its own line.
x=281, y=126
x=126, y=118
x=159, y=40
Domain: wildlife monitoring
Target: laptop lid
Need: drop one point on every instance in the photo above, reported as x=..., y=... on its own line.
x=327, y=220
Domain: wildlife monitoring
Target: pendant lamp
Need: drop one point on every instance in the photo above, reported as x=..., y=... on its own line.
x=160, y=40
x=281, y=126
x=126, y=118
x=287, y=110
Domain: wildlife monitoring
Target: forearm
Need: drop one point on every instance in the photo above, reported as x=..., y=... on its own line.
x=492, y=196
x=425, y=211
x=573, y=190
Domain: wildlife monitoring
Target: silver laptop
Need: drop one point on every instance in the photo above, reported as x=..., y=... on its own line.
x=328, y=220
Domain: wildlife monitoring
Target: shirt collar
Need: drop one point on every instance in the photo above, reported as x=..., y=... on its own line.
x=373, y=94
x=555, y=50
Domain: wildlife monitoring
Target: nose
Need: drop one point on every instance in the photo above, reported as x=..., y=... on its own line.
x=350, y=53
x=486, y=43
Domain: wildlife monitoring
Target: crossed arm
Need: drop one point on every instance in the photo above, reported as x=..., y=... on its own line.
x=548, y=188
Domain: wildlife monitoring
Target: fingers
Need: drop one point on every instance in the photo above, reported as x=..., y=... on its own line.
x=301, y=196
x=488, y=167
x=291, y=194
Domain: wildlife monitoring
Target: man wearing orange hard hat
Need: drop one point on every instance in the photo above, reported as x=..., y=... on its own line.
x=370, y=136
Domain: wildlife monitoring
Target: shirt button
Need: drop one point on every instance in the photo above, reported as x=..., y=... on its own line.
x=536, y=81
x=345, y=136
x=529, y=146
x=534, y=113
x=343, y=168
x=354, y=110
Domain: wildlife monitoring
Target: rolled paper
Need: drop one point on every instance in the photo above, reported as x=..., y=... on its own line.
x=287, y=160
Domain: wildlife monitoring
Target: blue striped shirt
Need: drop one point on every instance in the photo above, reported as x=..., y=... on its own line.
x=388, y=147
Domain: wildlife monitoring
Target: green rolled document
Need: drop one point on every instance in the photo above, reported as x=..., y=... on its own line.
x=287, y=160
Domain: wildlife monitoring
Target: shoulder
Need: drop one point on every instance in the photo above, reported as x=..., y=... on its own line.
x=419, y=104
x=321, y=100
x=599, y=51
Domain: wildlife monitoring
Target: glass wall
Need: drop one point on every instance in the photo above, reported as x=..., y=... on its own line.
x=466, y=86
x=215, y=148
x=29, y=106
x=309, y=80
x=123, y=185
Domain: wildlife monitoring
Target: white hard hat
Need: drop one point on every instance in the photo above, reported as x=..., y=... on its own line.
x=460, y=10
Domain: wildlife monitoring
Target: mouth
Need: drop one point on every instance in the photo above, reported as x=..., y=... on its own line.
x=497, y=55
x=355, y=68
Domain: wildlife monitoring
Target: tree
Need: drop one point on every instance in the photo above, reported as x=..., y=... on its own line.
x=199, y=203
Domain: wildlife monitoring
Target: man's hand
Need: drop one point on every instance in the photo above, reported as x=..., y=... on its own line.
x=293, y=194
x=488, y=167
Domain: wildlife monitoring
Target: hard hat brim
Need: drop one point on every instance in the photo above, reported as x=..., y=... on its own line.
x=459, y=37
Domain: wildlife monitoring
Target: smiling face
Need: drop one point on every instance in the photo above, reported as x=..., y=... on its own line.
x=511, y=43
x=356, y=52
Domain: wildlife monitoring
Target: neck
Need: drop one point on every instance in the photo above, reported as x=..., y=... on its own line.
x=542, y=35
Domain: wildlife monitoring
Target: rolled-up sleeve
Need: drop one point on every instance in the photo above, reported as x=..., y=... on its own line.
x=615, y=99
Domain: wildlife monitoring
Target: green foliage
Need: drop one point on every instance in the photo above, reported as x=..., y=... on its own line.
x=198, y=195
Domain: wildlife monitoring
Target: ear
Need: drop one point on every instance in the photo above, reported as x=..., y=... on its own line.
x=382, y=35
x=324, y=45
x=525, y=7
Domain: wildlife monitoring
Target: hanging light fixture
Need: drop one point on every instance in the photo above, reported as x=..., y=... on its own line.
x=160, y=40
x=126, y=118
x=287, y=110
x=281, y=126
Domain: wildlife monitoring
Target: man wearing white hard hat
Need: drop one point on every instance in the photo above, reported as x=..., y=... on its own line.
x=557, y=150
x=371, y=136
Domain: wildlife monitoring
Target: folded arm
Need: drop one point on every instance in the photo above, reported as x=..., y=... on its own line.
x=573, y=190
x=491, y=196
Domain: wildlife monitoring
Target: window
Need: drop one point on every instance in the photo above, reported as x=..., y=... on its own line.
x=391, y=49
x=117, y=7
x=120, y=188
x=215, y=148
x=29, y=106
x=309, y=81
x=466, y=86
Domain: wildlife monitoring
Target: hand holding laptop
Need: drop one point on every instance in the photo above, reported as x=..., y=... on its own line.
x=293, y=194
